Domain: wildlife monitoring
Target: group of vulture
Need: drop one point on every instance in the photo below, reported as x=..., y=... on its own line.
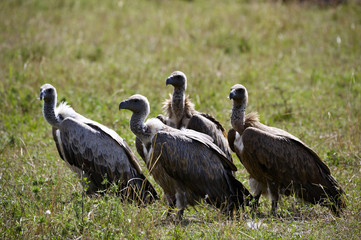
x=188, y=153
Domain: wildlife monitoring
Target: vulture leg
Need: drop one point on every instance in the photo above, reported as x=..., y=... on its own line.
x=274, y=208
x=181, y=204
x=257, y=189
x=255, y=203
x=229, y=210
x=180, y=215
x=171, y=206
x=274, y=192
x=169, y=215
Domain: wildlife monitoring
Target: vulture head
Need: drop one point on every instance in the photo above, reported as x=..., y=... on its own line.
x=136, y=103
x=47, y=93
x=178, y=80
x=239, y=95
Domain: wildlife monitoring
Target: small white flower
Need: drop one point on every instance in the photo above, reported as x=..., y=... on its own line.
x=338, y=40
x=47, y=212
x=255, y=225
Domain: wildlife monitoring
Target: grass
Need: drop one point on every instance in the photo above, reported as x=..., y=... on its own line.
x=300, y=64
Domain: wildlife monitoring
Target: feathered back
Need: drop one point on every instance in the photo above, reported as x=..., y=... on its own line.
x=216, y=122
x=188, y=107
x=251, y=119
x=190, y=111
x=66, y=110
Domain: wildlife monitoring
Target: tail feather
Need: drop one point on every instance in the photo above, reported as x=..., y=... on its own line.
x=244, y=197
x=334, y=194
x=243, y=193
x=328, y=195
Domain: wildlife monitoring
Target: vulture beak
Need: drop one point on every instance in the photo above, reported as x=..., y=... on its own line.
x=232, y=94
x=41, y=95
x=169, y=81
x=122, y=105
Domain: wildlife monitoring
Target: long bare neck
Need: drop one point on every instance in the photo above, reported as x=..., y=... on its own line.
x=137, y=125
x=178, y=104
x=49, y=113
x=238, y=117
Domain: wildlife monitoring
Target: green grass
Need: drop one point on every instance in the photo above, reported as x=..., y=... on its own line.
x=300, y=63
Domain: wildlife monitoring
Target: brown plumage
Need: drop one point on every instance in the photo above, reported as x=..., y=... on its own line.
x=181, y=114
x=94, y=151
x=278, y=162
x=188, y=112
x=186, y=164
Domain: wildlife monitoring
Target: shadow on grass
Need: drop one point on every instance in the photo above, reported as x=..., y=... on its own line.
x=290, y=215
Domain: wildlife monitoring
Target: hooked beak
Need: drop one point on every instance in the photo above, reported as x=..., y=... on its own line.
x=41, y=95
x=232, y=94
x=169, y=81
x=122, y=105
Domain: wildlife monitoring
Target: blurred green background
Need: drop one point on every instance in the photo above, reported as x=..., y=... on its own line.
x=299, y=61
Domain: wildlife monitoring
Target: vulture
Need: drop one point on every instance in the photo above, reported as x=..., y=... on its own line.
x=96, y=153
x=181, y=114
x=186, y=164
x=278, y=162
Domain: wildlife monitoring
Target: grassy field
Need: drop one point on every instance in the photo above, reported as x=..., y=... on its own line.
x=301, y=65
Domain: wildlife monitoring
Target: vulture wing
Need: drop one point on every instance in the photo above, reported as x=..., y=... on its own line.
x=214, y=121
x=112, y=134
x=93, y=150
x=285, y=135
x=196, y=164
x=57, y=143
x=289, y=163
x=206, y=124
x=89, y=148
x=231, y=136
x=208, y=141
